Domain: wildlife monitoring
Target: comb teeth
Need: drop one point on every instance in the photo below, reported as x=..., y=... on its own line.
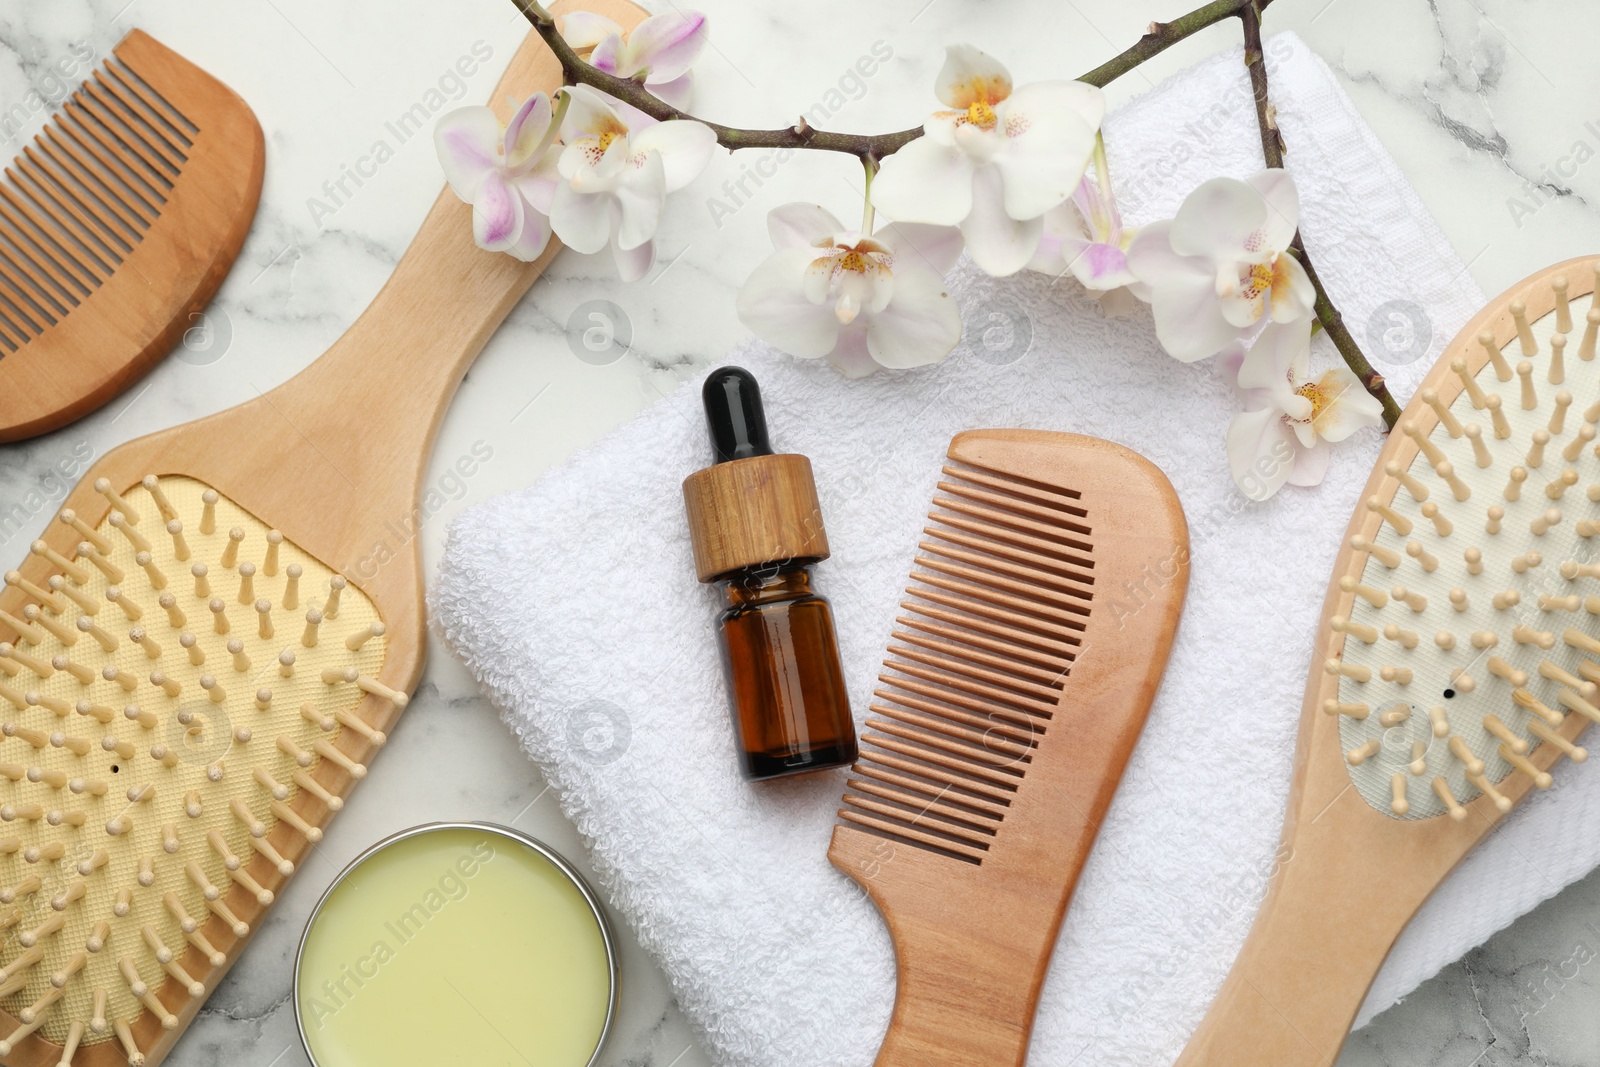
x=999, y=601
x=78, y=200
x=1450, y=680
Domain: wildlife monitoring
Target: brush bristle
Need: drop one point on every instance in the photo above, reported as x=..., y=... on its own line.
x=168, y=749
x=1472, y=610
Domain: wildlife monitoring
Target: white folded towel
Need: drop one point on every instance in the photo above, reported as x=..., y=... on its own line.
x=574, y=603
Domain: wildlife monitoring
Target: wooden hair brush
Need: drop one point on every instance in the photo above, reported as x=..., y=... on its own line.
x=117, y=224
x=202, y=654
x=1457, y=662
x=1043, y=606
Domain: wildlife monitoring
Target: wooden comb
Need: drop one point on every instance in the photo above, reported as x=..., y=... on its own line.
x=1457, y=663
x=117, y=224
x=1044, y=603
x=332, y=460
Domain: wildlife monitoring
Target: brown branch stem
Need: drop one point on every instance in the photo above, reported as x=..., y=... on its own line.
x=1272, y=149
x=577, y=71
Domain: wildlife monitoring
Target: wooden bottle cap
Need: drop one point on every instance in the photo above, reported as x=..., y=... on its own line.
x=750, y=512
x=751, y=508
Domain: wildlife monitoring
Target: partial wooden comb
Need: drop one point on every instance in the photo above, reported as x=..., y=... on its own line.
x=117, y=224
x=1457, y=663
x=1044, y=602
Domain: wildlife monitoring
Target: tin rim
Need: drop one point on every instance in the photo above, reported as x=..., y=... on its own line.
x=560, y=863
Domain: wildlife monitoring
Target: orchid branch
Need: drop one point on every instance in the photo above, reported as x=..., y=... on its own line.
x=873, y=148
x=578, y=71
x=1272, y=149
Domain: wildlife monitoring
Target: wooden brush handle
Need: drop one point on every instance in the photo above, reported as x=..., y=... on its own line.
x=376, y=398
x=1323, y=931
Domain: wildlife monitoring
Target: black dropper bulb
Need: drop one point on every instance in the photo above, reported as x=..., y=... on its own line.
x=734, y=415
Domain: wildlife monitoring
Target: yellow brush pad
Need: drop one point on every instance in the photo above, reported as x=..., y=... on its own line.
x=91, y=835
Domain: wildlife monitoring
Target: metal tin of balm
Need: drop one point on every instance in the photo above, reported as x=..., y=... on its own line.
x=456, y=943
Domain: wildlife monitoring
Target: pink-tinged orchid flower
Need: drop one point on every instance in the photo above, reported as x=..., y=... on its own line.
x=662, y=48
x=1221, y=265
x=1085, y=237
x=1289, y=418
x=996, y=163
x=862, y=302
x=508, y=176
x=616, y=179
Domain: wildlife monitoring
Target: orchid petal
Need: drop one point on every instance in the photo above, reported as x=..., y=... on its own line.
x=1273, y=358
x=1050, y=130
x=978, y=143
x=585, y=29
x=1063, y=226
x=666, y=44
x=468, y=141
x=589, y=113
x=1099, y=266
x=925, y=182
x=640, y=202
x=801, y=225
x=683, y=145
x=1242, y=304
x=633, y=263
x=1310, y=465
x=1098, y=210
x=774, y=306
x=920, y=325
x=941, y=127
x=526, y=131
x=1282, y=202
x=1117, y=303
x=1189, y=324
x=496, y=214
x=1261, y=452
x=582, y=221
x=851, y=289
x=971, y=77
x=1292, y=295
x=538, y=184
x=607, y=172
x=1349, y=406
x=998, y=244
x=534, y=238
x=679, y=91
x=608, y=56
x=1299, y=423
x=851, y=356
x=935, y=248
x=1218, y=220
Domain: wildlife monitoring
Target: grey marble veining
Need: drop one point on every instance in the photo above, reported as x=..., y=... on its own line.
x=1490, y=107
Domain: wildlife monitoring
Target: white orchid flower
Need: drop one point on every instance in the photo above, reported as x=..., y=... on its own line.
x=1290, y=418
x=1221, y=265
x=507, y=175
x=615, y=179
x=1085, y=237
x=996, y=163
x=661, y=48
x=862, y=302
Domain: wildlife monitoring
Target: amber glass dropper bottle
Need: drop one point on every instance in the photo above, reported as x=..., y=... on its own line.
x=757, y=529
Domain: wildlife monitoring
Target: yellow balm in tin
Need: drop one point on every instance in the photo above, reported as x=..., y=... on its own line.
x=456, y=943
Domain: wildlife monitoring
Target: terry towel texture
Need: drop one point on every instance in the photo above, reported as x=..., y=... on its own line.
x=575, y=605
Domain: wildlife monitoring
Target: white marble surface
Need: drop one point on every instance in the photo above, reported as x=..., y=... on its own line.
x=1487, y=105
